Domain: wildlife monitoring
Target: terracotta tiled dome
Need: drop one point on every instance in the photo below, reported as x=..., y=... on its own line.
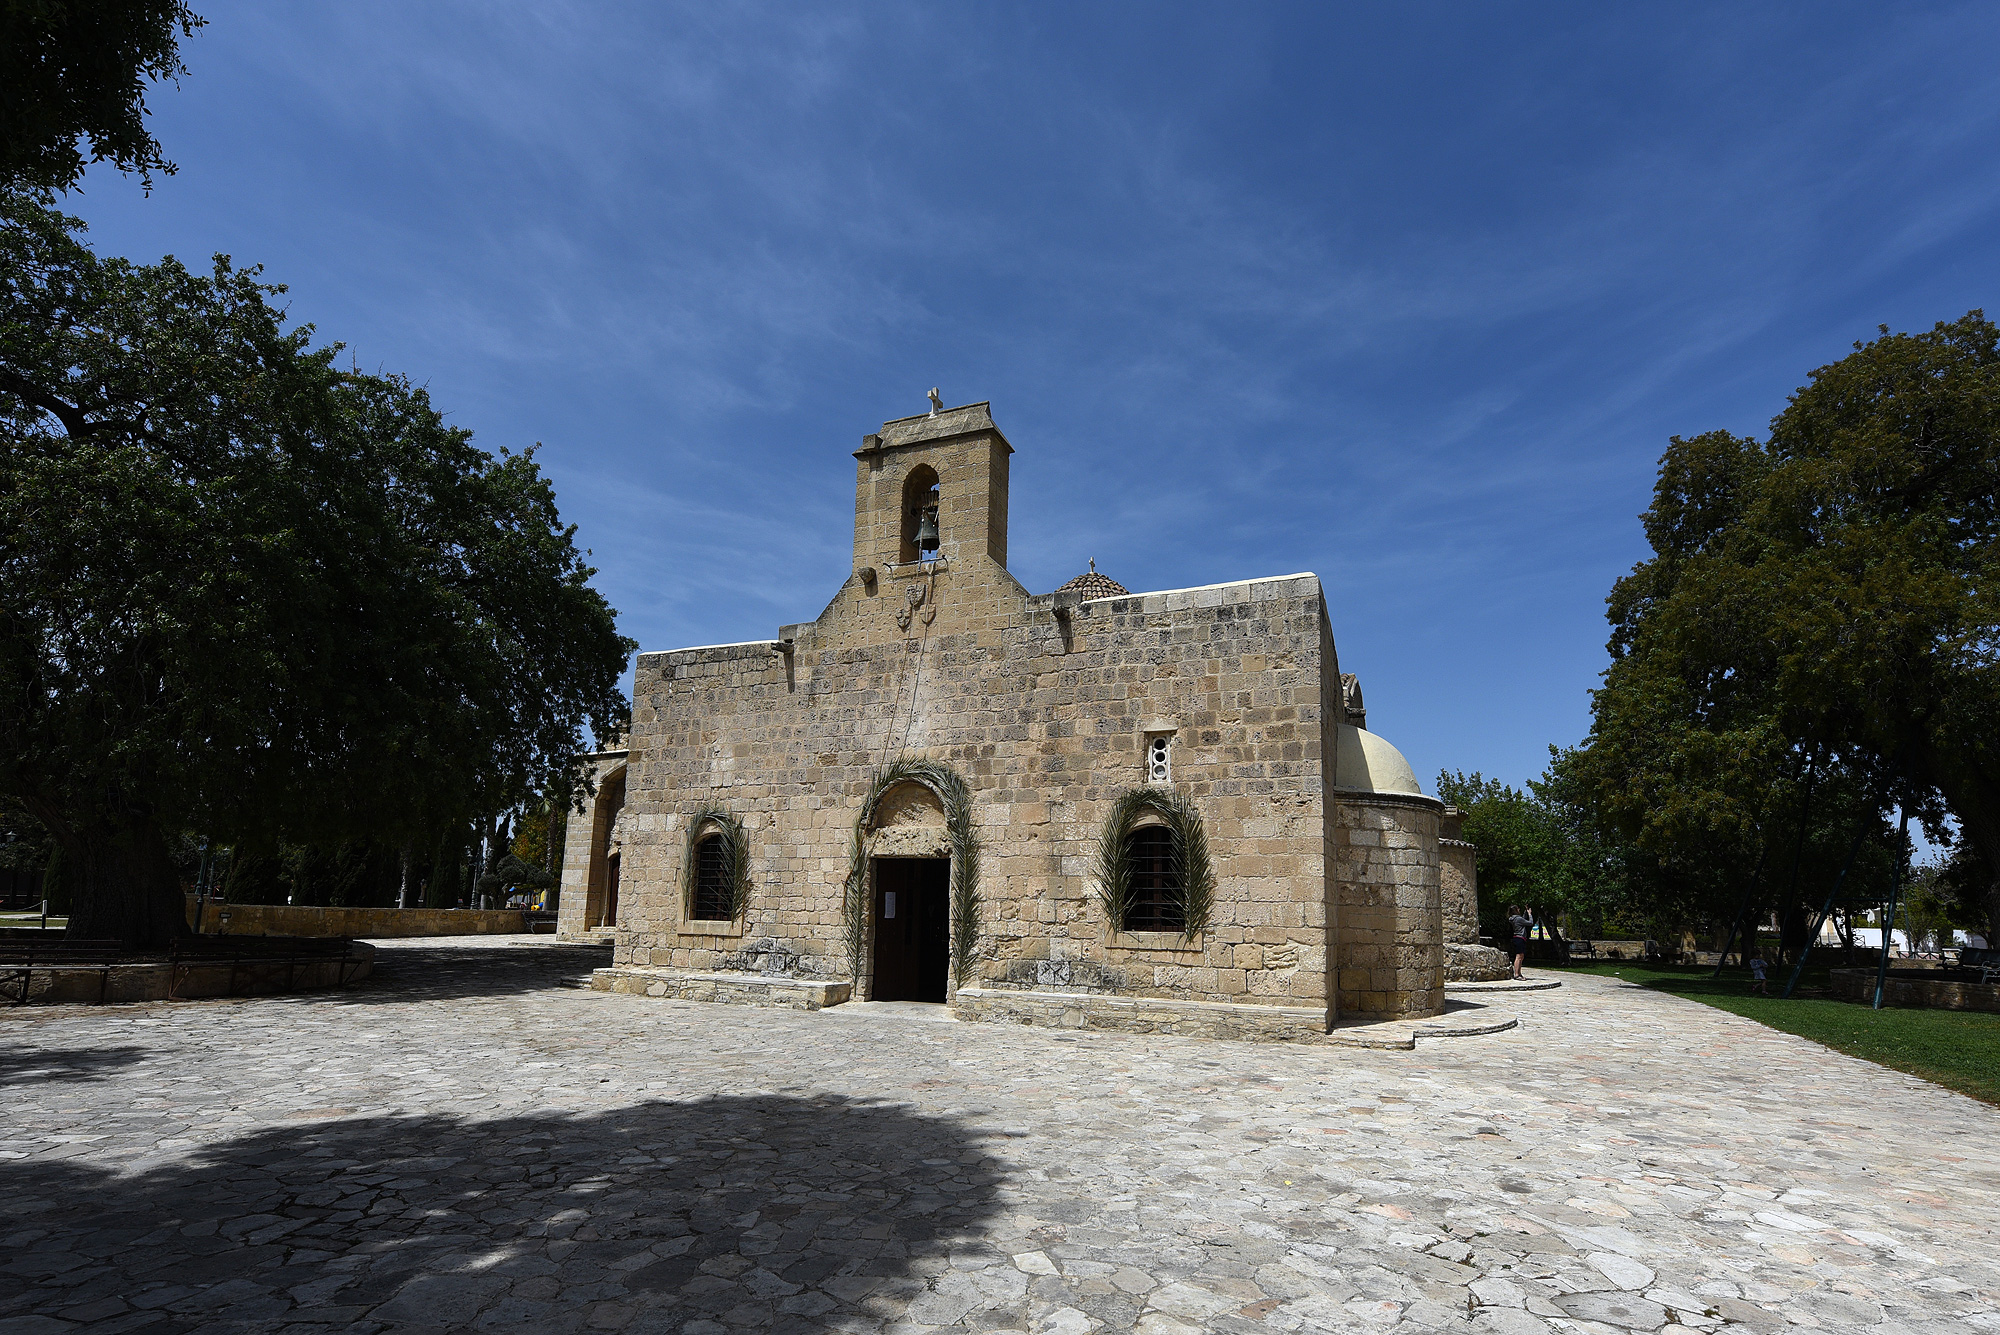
x=1093, y=585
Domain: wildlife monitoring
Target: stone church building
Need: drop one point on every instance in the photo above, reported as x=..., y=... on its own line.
x=1092, y=807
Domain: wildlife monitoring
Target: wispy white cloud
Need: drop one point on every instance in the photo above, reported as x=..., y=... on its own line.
x=1409, y=298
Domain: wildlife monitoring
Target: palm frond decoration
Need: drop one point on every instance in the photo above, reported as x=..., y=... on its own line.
x=955, y=797
x=964, y=904
x=736, y=847
x=855, y=910
x=1195, y=871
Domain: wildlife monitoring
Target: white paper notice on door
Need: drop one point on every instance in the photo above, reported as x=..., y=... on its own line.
x=888, y=903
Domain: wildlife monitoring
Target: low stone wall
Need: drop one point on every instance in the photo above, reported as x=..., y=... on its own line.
x=742, y=989
x=1915, y=989
x=1475, y=964
x=1140, y=1015
x=1627, y=950
x=293, y=920
x=58, y=983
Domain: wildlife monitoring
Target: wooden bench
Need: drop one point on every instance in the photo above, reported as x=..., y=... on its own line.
x=1985, y=960
x=20, y=959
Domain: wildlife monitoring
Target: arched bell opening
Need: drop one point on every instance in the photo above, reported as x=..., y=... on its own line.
x=921, y=534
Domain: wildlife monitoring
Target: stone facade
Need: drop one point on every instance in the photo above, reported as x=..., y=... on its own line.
x=593, y=852
x=1458, y=879
x=1465, y=960
x=1390, y=941
x=1049, y=707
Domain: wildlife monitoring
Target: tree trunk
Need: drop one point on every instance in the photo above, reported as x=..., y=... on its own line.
x=1983, y=838
x=403, y=891
x=125, y=889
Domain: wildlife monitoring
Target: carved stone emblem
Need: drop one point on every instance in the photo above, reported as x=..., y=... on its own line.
x=913, y=598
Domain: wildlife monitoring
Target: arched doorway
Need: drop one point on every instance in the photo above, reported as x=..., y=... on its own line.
x=910, y=897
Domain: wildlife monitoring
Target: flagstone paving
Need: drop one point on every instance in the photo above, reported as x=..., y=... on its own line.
x=464, y=1143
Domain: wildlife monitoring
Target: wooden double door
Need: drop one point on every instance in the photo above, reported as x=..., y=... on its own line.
x=912, y=928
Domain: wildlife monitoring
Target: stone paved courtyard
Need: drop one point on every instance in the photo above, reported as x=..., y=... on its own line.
x=464, y=1142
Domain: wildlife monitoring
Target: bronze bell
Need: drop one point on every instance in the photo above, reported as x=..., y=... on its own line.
x=927, y=529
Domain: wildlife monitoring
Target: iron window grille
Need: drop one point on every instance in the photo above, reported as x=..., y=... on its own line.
x=1155, y=903
x=714, y=880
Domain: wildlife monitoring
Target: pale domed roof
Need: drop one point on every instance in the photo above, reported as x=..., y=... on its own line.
x=1368, y=764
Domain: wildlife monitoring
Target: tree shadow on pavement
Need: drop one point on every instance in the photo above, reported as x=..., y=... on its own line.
x=38, y=1065
x=787, y=1214
x=406, y=972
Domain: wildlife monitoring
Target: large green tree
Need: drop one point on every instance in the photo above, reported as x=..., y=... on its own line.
x=73, y=73
x=1538, y=847
x=1820, y=608
x=246, y=593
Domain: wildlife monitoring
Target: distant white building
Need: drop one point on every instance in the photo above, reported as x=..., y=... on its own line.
x=1870, y=938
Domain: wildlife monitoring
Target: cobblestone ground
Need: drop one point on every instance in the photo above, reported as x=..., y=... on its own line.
x=465, y=1143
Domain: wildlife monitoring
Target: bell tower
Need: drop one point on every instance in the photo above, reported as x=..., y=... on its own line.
x=945, y=470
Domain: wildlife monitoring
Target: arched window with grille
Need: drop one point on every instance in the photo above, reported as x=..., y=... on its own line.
x=1155, y=904
x=714, y=880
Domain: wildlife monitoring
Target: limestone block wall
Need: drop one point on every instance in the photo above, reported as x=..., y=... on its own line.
x=1333, y=716
x=1458, y=880
x=581, y=905
x=1391, y=914
x=1047, y=716
x=221, y=919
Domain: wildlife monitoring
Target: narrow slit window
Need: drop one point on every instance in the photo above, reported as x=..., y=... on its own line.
x=1159, y=759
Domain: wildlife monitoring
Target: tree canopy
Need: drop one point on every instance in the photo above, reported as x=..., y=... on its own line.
x=73, y=73
x=247, y=593
x=1820, y=612
x=1537, y=847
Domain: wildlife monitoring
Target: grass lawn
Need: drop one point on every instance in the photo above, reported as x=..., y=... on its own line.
x=1957, y=1049
x=12, y=919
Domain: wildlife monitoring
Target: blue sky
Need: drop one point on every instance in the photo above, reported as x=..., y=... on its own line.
x=1411, y=296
